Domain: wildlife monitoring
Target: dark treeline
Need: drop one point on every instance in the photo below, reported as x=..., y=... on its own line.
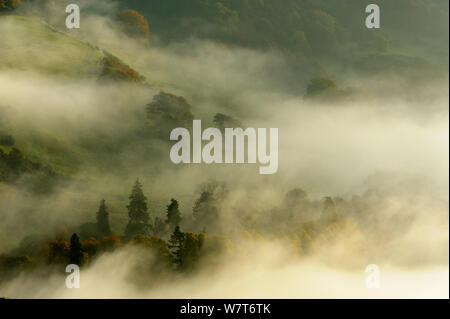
x=172, y=243
x=309, y=27
x=311, y=34
x=314, y=36
x=176, y=244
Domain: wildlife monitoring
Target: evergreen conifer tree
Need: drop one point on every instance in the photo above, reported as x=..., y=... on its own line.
x=137, y=212
x=173, y=214
x=76, y=253
x=176, y=245
x=103, y=220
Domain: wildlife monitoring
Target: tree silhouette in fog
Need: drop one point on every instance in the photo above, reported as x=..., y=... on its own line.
x=103, y=226
x=176, y=245
x=329, y=211
x=173, y=214
x=76, y=255
x=137, y=212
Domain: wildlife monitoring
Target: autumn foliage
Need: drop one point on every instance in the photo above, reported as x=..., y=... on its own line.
x=134, y=24
x=115, y=70
x=9, y=4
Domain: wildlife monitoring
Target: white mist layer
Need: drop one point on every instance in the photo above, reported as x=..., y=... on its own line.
x=270, y=272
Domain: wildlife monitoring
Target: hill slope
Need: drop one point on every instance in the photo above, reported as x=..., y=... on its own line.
x=31, y=44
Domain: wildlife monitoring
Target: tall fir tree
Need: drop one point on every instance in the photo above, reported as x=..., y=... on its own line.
x=137, y=212
x=173, y=214
x=76, y=253
x=175, y=245
x=103, y=226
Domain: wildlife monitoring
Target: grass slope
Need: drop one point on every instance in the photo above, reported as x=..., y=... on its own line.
x=32, y=44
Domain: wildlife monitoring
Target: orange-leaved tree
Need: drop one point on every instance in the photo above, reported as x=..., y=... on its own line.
x=134, y=24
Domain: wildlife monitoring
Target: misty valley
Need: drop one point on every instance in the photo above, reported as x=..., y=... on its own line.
x=223, y=149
